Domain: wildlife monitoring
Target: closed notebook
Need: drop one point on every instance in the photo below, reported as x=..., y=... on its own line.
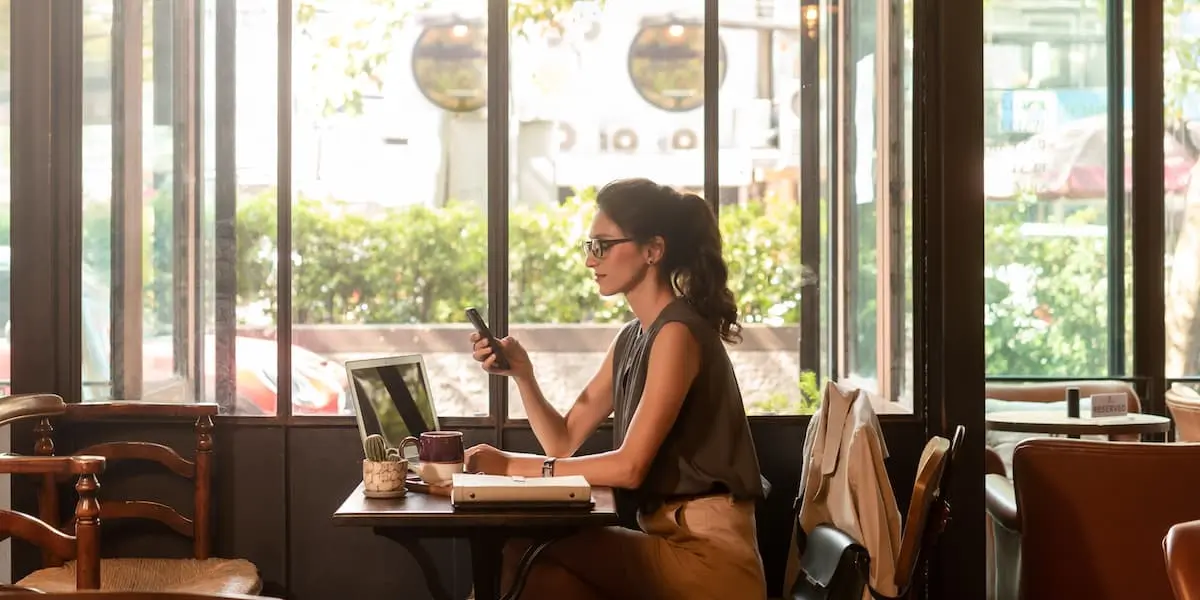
x=472, y=488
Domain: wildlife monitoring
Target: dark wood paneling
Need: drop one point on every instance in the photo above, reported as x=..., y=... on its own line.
x=343, y=562
x=251, y=501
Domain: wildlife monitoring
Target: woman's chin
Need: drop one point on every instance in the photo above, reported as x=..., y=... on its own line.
x=606, y=289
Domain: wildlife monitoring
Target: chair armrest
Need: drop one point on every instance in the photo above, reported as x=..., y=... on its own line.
x=118, y=411
x=51, y=465
x=28, y=406
x=1001, y=501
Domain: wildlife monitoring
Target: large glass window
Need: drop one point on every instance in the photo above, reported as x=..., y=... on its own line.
x=97, y=196
x=1181, y=40
x=389, y=215
x=240, y=212
x=600, y=93
x=134, y=294
x=5, y=193
x=865, y=70
x=1056, y=238
x=391, y=190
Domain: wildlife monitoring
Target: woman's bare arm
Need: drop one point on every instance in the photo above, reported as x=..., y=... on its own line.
x=562, y=435
x=674, y=363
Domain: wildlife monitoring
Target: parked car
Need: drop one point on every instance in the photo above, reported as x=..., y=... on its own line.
x=318, y=383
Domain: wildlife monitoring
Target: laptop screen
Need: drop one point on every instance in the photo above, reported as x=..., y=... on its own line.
x=392, y=397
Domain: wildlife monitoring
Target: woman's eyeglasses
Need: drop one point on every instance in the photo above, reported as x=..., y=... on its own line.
x=599, y=247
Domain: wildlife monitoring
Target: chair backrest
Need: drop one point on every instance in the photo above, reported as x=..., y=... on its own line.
x=1181, y=549
x=1093, y=515
x=198, y=470
x=84, y=545
x=1184, y=406
x=930, y=476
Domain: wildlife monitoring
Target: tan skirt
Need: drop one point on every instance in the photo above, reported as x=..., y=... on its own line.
x=694, y=549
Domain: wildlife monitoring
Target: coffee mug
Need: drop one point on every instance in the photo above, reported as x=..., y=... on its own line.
x=384, y=478
x=440, y=453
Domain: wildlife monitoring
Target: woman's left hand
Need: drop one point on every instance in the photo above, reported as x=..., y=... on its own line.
x=486, y=459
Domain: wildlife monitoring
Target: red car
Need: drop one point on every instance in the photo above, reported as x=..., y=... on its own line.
x=318, y=384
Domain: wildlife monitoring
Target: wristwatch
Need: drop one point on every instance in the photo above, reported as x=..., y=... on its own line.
x=548, y=466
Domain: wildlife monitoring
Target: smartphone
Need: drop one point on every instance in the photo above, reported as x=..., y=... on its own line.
x=476, y=320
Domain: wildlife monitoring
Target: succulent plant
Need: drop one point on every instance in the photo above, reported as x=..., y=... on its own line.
x=376, y=449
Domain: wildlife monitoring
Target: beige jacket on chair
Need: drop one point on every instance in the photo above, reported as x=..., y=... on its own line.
x=845, y=482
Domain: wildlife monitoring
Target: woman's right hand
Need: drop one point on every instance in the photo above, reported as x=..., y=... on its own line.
x=519, y=365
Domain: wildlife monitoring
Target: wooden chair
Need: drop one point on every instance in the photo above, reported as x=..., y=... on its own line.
x=84, y=545
x=200, y=574
x=928, y=511
x=928, y=508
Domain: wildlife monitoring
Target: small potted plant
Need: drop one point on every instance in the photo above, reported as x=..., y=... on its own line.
x=384, y=469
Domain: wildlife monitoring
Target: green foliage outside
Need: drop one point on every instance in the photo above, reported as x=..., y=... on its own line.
x=1045, y=296
x=422, y=265
x=1045, y=308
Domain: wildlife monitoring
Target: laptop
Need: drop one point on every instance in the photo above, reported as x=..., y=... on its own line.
x=391, y=397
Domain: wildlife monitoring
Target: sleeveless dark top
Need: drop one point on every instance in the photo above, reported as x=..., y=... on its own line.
x=709, y=449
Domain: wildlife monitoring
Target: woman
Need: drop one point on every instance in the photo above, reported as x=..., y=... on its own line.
x=685, y=452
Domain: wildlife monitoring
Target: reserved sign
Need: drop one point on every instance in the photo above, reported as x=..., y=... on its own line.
x=1110, y=405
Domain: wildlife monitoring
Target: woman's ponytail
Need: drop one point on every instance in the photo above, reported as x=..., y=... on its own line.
x=701, y=276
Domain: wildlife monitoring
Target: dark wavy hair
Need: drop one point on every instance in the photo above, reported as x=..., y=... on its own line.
x=692, y=260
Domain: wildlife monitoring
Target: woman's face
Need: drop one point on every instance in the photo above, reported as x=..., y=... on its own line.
x=617, y=262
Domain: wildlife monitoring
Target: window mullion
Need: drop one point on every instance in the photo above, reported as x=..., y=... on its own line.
x=225, y=210
x=1115, y=17
x=889, y=194
x=283, y=244
x=810, y=193
x=126, y=315
x=497, y=197
x=844, y=222
x=712, y=85
x=186, y=247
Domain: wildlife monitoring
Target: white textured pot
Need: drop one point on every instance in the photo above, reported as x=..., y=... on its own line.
x=384, y=478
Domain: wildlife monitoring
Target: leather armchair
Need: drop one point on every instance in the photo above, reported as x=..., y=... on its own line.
x=1091, y=516
x=1181, y=548
x=1184, y=405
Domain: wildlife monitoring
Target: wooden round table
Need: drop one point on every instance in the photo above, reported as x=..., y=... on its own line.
x=1051, y=422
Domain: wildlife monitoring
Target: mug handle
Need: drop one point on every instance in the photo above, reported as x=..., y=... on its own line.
x=410, y=441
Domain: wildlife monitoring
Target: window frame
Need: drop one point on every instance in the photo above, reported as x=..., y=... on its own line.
x=188, y=33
